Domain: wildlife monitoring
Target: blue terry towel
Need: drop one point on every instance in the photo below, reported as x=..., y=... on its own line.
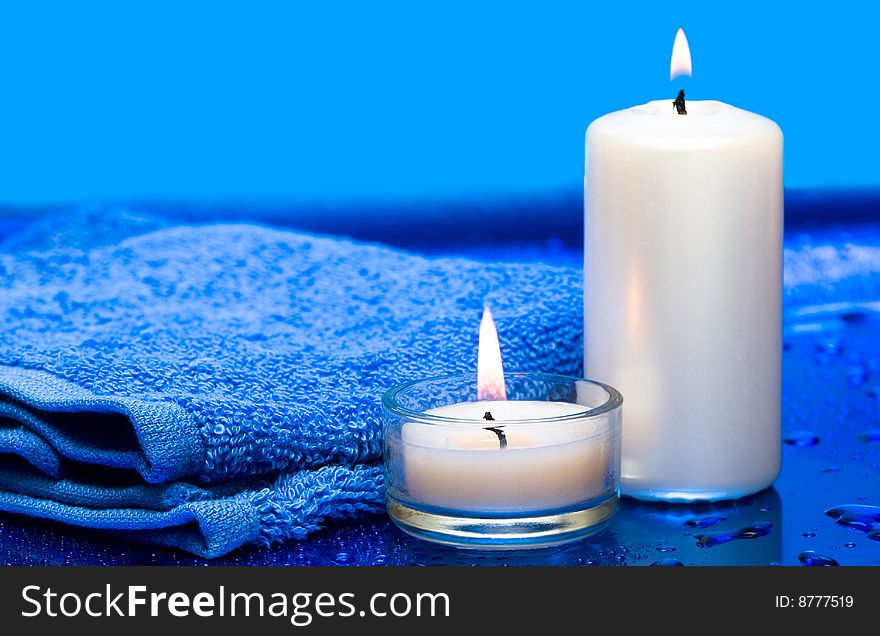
x=207, y=387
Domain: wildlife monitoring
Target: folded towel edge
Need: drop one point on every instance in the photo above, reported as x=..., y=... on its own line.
x=171, y=442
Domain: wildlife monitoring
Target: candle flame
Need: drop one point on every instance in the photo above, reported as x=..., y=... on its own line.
x=490, y=371
x=681, y=57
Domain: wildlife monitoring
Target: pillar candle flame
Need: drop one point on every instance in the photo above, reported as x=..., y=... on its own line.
x=681, y=57
x=490, y=371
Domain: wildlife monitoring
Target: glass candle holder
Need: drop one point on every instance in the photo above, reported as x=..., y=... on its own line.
x=538, y=469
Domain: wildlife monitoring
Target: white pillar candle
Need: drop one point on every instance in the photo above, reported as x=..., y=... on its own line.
x=683, y=277
x=543, y=466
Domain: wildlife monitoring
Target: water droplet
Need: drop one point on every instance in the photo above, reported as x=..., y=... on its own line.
x=764, y=509
x=219, y=429
x=809, y=534
x=871, y=435
x=811, y=557
x=754, y=531
x=850, y=544
x=856, y=376
x=665, y=548
x=801, y=439
x=830, y=346
x=855, y=316
x=669, y=562
x=704, y=522
x=858, y=517
x=344, y=558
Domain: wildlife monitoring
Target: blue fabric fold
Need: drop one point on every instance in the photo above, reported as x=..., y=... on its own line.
x=206, y=387
x=19, y=441
x=123, y=433
x=199, y=520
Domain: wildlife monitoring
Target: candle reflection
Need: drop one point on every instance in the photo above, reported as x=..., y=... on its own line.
x=641, y=534
x=680, y=526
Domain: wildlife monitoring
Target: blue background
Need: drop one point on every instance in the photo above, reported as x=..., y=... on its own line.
x=278, y=101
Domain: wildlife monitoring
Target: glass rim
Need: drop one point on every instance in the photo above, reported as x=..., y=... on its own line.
x=391, y=403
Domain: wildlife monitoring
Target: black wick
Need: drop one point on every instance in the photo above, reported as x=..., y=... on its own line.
x=502, y=438
x=679, y=103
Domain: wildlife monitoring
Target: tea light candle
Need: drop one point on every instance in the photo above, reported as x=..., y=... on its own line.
x=506, y=464
x=532, y=461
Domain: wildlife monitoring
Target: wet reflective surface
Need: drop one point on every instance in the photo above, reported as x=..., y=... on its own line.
x=824, y=508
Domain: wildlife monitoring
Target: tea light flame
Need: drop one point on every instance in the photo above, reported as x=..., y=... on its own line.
x=681, y=57
x=490, y=371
